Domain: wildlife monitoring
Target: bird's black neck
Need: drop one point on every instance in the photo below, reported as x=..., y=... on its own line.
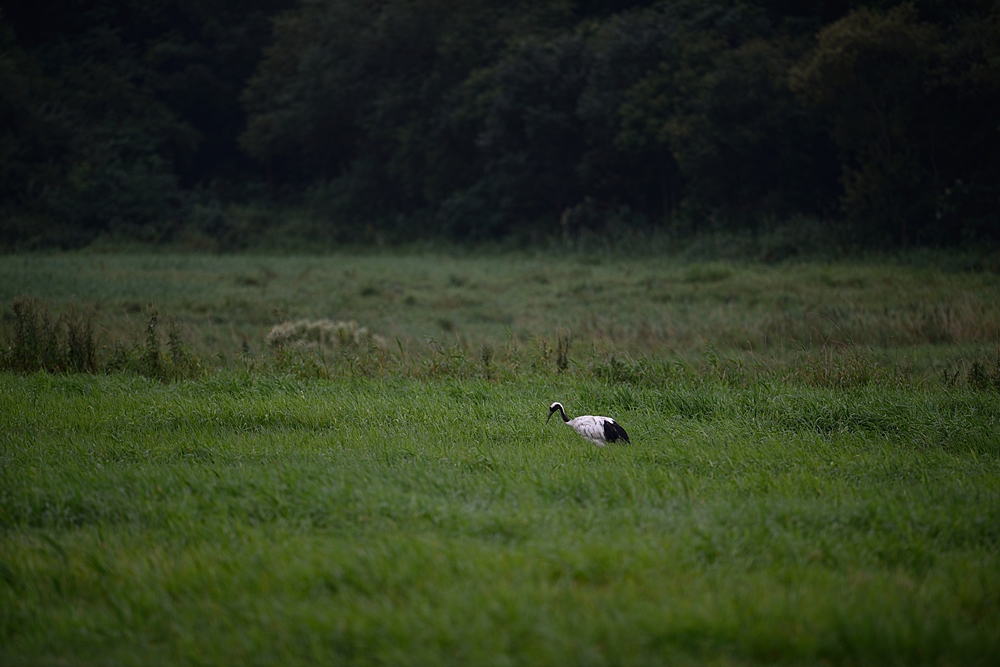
x=563, y=413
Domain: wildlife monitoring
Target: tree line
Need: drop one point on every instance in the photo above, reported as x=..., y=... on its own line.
x=480, y=119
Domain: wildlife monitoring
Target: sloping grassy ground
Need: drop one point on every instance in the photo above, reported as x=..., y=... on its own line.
x=247, y=518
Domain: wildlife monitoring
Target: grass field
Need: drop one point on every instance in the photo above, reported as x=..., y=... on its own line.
x=254, y=514
x=929, y=318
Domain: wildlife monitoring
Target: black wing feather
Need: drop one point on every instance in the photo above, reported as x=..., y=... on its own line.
x=613, y=432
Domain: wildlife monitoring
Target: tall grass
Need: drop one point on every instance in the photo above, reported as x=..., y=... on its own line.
x=326, y=349
x=244, y=517
x=345, y=461
x=41, y=342
x=663, y=307
x=69, y=344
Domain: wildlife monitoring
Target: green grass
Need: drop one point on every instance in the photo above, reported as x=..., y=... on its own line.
x=814, y=474
x=916, y=316
x=249, y=519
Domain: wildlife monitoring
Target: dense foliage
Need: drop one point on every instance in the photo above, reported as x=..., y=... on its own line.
x=481, y=119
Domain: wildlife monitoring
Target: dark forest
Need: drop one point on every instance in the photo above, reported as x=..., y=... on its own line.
x=482, y=120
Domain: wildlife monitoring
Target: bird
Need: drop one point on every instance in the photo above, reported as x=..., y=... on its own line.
x=598, y=430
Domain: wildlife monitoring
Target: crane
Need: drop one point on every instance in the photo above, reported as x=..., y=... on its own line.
x=598, y=430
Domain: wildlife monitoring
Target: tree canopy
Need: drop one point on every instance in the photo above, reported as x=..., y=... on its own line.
x=479, y=119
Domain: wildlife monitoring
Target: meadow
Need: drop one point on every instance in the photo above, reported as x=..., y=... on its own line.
x=814, y=474
x=912, y=313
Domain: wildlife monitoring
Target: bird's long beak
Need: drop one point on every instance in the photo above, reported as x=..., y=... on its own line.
x=549, y=417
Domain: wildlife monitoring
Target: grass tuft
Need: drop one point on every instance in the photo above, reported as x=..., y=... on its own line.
x=985, y=373
x=40, y=343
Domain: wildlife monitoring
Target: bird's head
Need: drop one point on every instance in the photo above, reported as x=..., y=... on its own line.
x=552, y=408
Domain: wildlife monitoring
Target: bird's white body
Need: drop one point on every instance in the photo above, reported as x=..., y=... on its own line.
x=598, y=430
x=590, y=428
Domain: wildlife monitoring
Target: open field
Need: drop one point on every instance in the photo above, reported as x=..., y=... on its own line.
x=249, y=520
x=814, y=474
x=920, y=317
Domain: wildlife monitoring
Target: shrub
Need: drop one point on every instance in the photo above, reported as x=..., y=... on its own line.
x=324, y=333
